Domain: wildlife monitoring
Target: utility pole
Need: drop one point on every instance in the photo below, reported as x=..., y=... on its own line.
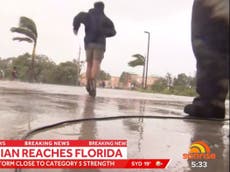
x=143, y=75
x=147, y=59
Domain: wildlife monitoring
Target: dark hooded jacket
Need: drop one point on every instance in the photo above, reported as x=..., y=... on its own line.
x=97, y=26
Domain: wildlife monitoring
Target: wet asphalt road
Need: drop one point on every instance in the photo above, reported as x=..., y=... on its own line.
x=24, y=107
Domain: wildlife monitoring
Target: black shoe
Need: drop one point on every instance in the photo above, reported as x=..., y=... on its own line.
x=92, y=91
x=204, y=111
x=87, y=86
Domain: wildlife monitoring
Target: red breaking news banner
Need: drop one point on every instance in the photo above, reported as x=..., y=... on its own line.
x=129, y=163
x=63, y=143
x=71, y=154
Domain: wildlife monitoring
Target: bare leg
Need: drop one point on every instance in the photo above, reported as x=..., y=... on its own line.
x=94, y=72
x=89, y=70
x=95, y=69
x=88, y=75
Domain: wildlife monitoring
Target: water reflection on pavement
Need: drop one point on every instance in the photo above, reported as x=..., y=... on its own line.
x=24, y=107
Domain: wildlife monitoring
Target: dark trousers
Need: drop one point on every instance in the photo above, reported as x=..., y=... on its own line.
x=210, y=41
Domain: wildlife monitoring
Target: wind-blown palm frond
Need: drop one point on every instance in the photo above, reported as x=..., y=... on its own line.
x=28, y=28
x=29, y=24
x=23, y=39
x=24, y=31
x=139, y=60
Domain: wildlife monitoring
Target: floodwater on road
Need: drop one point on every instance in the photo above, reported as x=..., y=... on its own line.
x=24, y=107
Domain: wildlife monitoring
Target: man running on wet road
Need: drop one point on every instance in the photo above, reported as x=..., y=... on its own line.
x=97, y=28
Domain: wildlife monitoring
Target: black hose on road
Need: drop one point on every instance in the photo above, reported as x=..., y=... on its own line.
x=70, y=122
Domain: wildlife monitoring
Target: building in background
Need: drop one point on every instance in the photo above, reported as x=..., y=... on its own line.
x=131, y=81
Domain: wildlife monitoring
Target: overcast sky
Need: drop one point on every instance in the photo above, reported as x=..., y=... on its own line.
x=168, y=21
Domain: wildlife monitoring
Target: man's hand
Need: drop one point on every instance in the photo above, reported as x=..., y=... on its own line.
x=75, y=32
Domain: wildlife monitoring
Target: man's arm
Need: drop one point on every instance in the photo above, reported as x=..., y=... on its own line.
x=78, y=19
x=108, y=28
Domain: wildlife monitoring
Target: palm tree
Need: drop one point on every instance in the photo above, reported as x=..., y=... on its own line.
x=28, y=28
x=139, y=61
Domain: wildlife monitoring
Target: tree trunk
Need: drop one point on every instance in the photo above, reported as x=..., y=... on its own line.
x=32, y=74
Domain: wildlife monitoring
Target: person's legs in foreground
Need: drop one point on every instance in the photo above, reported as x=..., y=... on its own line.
x=210, y=45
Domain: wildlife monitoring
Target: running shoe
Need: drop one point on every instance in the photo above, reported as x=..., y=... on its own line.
x=92, y=91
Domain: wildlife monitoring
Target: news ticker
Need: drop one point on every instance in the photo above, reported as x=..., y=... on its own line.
x=71, y=154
